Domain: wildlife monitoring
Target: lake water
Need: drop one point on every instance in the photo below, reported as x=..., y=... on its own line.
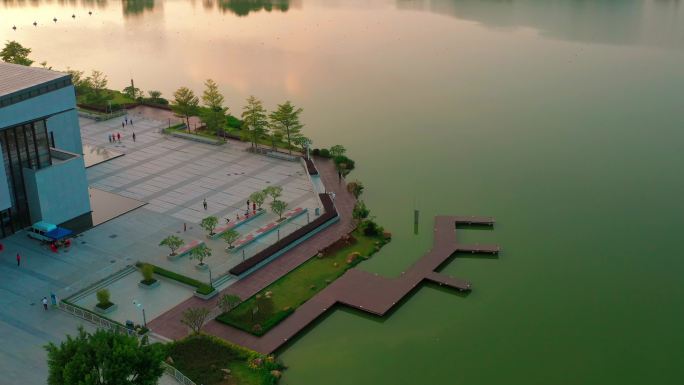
x=563, y=119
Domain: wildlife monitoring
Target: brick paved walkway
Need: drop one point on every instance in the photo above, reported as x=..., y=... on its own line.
x=169, y=325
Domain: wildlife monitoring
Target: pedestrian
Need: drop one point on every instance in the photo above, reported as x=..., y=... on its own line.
x=18, y=259
x=126, y=119
x=333, y=195
x=45, y=302
x=134, y=137
x=237, y=216
x=131, y=122
x=110, y=138
x=122, y=125
x=118, y=136
x=248, y=205
x=227, y=220
x=204, y=203
x=185, y=227
x=254, y=207
x=339, y=175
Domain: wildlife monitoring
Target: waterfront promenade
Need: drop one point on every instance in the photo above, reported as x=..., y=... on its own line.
x=365, y=291
x=168, y=324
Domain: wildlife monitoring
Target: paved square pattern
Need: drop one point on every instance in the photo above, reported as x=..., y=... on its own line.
x=173, y=176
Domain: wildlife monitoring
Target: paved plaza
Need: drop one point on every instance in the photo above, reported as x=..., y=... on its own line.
x=173, y=176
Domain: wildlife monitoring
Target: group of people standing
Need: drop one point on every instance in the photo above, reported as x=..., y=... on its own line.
x=114, y=138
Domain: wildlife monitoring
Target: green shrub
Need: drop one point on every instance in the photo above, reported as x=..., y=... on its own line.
x=325, y=153
x=316, y=151
x=201, y=288
x=103, y=297
x=233, y=122
x=371, y=228
x=342, y=159
x=147, y=271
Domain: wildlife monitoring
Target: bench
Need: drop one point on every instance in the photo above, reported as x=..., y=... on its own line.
x=232, y=225
x=273, y=251
x=185, y=249
x=260, y=232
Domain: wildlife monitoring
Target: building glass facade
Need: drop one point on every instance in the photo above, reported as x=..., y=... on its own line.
x=23, y=146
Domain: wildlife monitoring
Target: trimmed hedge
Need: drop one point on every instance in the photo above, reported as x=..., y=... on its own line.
x=265, y=327
x=330, y=213
x=202, y=288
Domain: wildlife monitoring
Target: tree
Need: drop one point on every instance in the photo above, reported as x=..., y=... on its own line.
x=97, y=93
x=360, y=212
x=133, y=92
x=303, y=142
x=285, y=120
x=355, y=188
x=104, y=357
x=194, y=318
x=279, y=208
x=185, y=104
x=337, y=150
x=16, y=53
x=230, y=237
x=228, y=302
x=343, y=164
x=80, y=82
x=200, y=253
x=172, y=242
x=254, y=120
x=274, y=191
x=258, y=197
x=214, y=115
x=209, y=224
x=155, y=96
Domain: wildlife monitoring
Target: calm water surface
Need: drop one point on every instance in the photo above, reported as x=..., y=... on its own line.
x=563, y=119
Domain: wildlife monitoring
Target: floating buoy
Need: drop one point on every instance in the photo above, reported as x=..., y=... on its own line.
x=14, y=27
x=55, y=19
x=90, y=12
x=35, y=23
x=73, y=16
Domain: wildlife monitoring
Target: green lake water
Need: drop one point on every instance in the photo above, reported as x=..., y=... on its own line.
x=562, y=119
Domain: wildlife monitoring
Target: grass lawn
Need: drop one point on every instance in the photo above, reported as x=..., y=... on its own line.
x=201, y=358
x=278, y=300
x=117, y=98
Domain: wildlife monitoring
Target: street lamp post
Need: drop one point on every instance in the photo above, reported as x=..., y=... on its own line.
x=211, y=283
x=140, y=306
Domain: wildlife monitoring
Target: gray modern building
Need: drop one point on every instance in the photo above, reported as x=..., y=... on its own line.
x=42, y=173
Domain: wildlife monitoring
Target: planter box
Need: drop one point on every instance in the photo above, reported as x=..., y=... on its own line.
x=202, y=267
x=150, y=286
x=206, y=296
x=107, y=310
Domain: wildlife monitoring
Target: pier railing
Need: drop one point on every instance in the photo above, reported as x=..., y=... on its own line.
x=96, y=319
x=177, y=375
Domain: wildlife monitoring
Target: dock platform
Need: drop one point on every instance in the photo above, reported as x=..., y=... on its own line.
x=366, y=291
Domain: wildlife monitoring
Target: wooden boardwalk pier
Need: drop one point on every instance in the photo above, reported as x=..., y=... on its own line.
x=366, y=291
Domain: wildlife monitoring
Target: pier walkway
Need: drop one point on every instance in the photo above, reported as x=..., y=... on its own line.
x=367, y=291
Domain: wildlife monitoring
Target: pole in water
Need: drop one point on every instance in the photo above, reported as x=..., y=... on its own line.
x=416, y=214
